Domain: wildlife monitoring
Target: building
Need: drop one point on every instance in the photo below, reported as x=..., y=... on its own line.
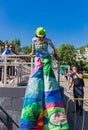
x=1, y=47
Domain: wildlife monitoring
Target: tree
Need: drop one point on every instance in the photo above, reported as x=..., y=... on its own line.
x=67, y=54
x=6, y=42
x=82, y=49
x=26, y=49
x=82, y=59
x=16, y=44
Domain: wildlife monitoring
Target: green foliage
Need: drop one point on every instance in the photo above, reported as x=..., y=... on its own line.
x=26, y=49
x=67, y=54
x=82, y=49
x=6, y=42
x=16, y=44
x=86, y=66
x=18, y=48
x=82, y=65
x=85, y=76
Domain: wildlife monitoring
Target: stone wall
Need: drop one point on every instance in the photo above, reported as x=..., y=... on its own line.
x=11, y=100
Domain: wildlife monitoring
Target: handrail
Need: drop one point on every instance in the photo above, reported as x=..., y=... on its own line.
x=14, y=63
x=17, y=62
x=8, y=117
x=71, y=94
x=75, y=99
x=3, y=121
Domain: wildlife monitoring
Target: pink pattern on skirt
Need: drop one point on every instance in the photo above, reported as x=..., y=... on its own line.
x=38, y=64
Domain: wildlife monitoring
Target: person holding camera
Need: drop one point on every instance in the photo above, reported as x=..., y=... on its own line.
x=77, y=80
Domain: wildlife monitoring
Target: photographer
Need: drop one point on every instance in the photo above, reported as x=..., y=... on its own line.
x=78, y=91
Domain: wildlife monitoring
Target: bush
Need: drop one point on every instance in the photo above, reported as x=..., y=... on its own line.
x=85, y=76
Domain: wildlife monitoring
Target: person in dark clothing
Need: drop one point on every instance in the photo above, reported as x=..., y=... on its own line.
x=78, y=90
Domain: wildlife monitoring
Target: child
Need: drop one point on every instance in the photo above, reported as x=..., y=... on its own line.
x=43, y=108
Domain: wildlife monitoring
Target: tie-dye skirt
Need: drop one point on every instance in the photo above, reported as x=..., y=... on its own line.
x=43, y=107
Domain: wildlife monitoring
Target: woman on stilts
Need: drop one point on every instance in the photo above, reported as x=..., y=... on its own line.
x=43, y=107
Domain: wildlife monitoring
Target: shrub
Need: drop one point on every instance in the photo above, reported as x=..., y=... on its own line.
x=85, y=76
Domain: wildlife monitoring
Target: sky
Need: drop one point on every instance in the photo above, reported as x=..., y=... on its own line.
x=65, y=21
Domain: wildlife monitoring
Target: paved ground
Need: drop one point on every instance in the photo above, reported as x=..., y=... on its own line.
x=71, y=115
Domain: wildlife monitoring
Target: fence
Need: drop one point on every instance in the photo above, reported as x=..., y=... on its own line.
x=15, y=69
x=76, y=125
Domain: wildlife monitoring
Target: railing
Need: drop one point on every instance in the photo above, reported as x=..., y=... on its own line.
x=19, y=68
x=7, y=120
x=75, y=115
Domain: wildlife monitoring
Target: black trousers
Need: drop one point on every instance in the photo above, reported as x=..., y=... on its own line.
x=78, y=92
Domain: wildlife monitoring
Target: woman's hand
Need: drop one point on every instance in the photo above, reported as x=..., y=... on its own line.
x=31, y=54
x=57, y=57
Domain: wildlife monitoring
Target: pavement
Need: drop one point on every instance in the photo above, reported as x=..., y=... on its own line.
x=74, y=119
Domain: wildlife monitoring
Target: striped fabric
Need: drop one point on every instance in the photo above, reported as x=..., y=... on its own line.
x=43, y=108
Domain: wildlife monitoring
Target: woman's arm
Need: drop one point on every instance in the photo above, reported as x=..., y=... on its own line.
x=54, y=51
x=53, y=48
x=33, y=50
x=79, y=75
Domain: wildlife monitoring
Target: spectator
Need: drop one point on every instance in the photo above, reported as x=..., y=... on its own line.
x=78, y=91
x=6, y=52
x=11, y=68
x=11, y=49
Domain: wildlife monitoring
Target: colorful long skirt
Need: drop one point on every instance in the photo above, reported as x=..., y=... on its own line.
x=43, y=107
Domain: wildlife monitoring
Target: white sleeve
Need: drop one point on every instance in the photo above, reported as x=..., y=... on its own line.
x=34, y=40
